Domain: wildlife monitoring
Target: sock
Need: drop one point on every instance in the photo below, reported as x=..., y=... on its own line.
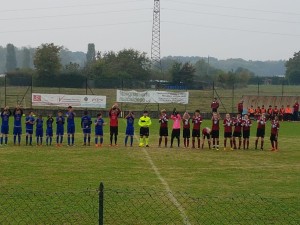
x=69, y=140
x=30, y=140
x=84, y=139
x=47, y=140
x=89, y=140
x=15, y=139
x=19, y=139
x=172, y=139
x=276, y=144
x=61, y=139
x=1, y=140
x=6, y=139
x=101, y=140
x=240, y=143
x=256, y=142
x=159, y=141
x=272, y=143
x=244, y=143
x=193, y=143
x=230, y=143
x=141, y=141
x=41, y=140
x=57, y=139
x=126, y=140
x=147, y=141
x=37, y=140
x=111, y=139
x=188, y=143
x=262, y=144
x=116, y=139
x=234, y=143
x=184, y=142
x=96, y=140
x=198, y=142
x=166, y=141
x=225, y=143
x=247, y=144
x=131, y=140
x=73, y=139
x=209, y=144
x=50, y=140
x=214, y=143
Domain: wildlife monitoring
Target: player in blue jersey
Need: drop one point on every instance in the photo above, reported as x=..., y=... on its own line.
x=99, y=123
x=29, y=121
x=129, y=128
x=5, y=114
x=39, y=132
x=60, y=121
x=17, y=113
x=49, y=130
x=86, y=122
x=70, y=125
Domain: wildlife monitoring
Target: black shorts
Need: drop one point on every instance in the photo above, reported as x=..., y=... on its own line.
x=206, y=136
x=273, y=137
x=195, y=133
x=227, y=135
x=175, y=133
x=144, y=131
x=237, y=134
x=246, y=133
x=113, y=130
x=215, y=134
x=260, y=132
x=186, y=133
x=163, y=131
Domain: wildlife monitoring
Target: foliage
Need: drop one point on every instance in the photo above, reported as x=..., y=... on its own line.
x=91, y=53
x=26, y=58
x=182, y=73
x=21, y=77
x=293, y=69
x=11, y=60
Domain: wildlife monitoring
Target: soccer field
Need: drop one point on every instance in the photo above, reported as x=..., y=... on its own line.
x=173, y=178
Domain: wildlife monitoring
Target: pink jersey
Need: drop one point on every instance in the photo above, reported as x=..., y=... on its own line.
x=177, y=120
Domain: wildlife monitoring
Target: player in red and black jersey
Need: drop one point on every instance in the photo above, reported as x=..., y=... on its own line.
x=237, y=132
x=257, y=112
x=206, y=134
x=215, y=129
x=260, y=132
x=186, y=129
x=281, y=113
x=274, y=133
x=114, y=113
x=270, y=113
x=163, y=130
x=240, y=107
x=246, y=124
x=214, y=105
x=227, y=123
x=197, y=120
x=275, y=111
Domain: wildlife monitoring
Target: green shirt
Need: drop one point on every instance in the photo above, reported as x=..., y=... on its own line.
x=145, y=121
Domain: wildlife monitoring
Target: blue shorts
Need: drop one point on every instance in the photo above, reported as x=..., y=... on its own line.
x=17, y=130
x=71, y=129
x=59, y=132
x=99, y=132
x=4, y=129
x=86, y=130
x=129, y=131
x=39, y=132
x=29, y=131
x=49, y=132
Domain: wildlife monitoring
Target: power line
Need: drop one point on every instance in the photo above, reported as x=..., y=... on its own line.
x=235, y=8
x=69, y=6
x=74, y=14
x=76, y=27
x=231, y=16
x=230, y=28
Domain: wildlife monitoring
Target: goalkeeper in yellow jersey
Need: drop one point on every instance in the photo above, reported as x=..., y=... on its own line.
x=144, y=123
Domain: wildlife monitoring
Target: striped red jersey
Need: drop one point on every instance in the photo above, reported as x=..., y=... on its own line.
x=163, y=120
x=197, y=120
x=215, y=124
x=261, y=123
x=246, y=124
x=186, y=123
x=227, y=123
x=237, y=123
x=275, y=127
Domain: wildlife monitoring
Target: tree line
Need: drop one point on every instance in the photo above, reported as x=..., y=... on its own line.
x=48, y=65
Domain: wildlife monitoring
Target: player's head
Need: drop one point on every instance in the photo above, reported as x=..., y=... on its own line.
x=30, y=113
x=145, y=113
x=238, y=116
x=85, y=112
x=215, y=115
x=197, y=112
x=99, y=115
x=227, y=116
x=163, y=111
x=40, y=116
x=276, y=118
x=215, y=99
x=251, y=106
x=50, y=115
x=275, y=106
x=263, y=115
x=263, y=106
x=70, y=108
x=246, y=116
x=270, y=106
x=242, y=101
x=282, y=106
x=59, y=113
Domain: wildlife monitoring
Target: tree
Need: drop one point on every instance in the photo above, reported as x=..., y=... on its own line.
x=47, y=60
x=91, y=53
x=11, y=59
x=182, y=73
x=26, y=58
x=293, y=69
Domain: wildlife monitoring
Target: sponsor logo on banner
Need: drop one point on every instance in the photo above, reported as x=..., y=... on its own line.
x=84, y=101
x=153, y=97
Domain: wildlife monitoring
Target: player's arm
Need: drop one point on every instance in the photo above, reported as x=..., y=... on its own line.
x=149, y=122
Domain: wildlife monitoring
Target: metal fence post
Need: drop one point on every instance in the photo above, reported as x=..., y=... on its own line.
x=101, y=203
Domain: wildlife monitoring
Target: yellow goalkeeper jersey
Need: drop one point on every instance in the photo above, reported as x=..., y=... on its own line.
x=145, y=121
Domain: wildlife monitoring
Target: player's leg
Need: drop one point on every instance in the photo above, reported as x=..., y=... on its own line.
x=234, y=141
x=178, y=138
x=101, y=140
x=209, y=142
x=225, y=141
x=30, y=137
x=84, y=137
x=6, y=139
x=198, y=140
x=111, y=135
x=61, y=137
x=172, y=138
x=203, y=140
x=15, y=135
x=89, y=137
x=262, y=143
x=47, y=139
x=96, y=140
x=240, y=141
x=69, y=137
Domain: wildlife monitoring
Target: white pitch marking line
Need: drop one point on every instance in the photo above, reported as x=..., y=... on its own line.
x=167, y=187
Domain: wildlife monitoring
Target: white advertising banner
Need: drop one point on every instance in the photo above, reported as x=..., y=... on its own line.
x=153, y=97
x=82, y=101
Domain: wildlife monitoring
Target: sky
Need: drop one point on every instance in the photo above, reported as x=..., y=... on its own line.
x=248, y=29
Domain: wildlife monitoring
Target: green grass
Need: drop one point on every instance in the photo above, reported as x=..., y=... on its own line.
x=223, y=187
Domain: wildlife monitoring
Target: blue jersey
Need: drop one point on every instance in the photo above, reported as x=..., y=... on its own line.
x=130, y=121
x=70, y=118
x=99, y=124
x=29, y=122
x=49, y=123
x=86, y=122
x=17, y=122
x=39, y=123
x=5, y=118
x=60, y=121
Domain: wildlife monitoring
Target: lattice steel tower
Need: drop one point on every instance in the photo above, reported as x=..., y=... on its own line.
x=155, y=46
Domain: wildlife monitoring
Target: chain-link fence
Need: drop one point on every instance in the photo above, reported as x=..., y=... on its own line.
x=143, y=207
